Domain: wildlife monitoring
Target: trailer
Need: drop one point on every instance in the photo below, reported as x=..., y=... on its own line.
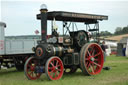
x=70, y=50
x=15, y=51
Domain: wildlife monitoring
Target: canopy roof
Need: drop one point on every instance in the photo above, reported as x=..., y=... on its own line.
x=74, y=17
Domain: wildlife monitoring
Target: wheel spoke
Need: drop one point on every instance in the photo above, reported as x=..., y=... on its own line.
x=31, y=73
x=51, y=73
x=50, y=68
x=58, y=69
x=92, y=69
x=97, y=54
x=96, y=64
x=57, y=63
x=86, y=59
x=92, y=50
x=36, y=74
x=89, y=53
x=28, y=69
x=56, y=74
x=28, y=65
x=88, y=65
x=52, y=64
x=96, y=59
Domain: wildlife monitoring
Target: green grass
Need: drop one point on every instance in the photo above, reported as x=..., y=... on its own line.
x=117, y=75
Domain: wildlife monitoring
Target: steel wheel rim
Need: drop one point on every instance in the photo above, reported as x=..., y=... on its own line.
x=30, y=68
x=55, y=68
x=93, y=59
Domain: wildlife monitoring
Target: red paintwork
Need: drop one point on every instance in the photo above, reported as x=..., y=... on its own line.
x=30, y=69
x=95, y=65
x=43, y=31
x=41, y=51
x=55, y=68
x=113, y=53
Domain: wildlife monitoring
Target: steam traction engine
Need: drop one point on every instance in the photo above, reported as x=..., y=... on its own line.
x=57, y=54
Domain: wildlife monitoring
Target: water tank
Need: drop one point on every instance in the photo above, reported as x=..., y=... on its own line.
x=2, y=26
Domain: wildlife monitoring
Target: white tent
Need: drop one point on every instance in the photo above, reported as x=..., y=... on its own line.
x=109, y=45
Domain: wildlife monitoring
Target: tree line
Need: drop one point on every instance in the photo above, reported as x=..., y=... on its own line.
x=118, y=31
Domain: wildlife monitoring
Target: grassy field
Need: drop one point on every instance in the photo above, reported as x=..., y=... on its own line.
x=117, y=75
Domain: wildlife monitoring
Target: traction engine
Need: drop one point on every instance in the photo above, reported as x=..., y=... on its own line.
x=60, y=54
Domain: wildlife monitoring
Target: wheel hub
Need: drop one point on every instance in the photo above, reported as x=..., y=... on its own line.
x=92, y=59
x=55, y=69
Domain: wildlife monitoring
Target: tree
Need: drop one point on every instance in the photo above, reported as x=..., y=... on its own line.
x=105, y=33
x=125, y=30
x=118, y=31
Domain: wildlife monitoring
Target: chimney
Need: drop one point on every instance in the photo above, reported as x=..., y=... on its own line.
x=43, y=12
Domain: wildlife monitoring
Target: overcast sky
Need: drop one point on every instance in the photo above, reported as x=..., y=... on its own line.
x=20, y=15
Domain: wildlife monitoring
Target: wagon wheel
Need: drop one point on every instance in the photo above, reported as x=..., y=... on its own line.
x=91, y=59
x=19, y=67
x=19, y=64
x=54, y=68
x=70, y=70
x=29, y=69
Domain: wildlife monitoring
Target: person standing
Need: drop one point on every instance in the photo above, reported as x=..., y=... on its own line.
x=104, y=49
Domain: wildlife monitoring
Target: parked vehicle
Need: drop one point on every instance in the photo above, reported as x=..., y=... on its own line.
x=14, y=51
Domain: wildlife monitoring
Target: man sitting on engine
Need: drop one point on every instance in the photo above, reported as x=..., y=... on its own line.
x=54, y=29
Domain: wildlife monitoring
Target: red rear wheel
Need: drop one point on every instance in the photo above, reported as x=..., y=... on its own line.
x=91, y=59
x=54, y=68
x=29, y=69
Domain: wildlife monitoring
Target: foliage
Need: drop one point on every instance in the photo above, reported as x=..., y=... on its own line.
x=117, y=75
x=120, y=30
x=105, y=33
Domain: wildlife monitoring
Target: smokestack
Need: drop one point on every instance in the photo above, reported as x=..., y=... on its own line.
x=43, y=13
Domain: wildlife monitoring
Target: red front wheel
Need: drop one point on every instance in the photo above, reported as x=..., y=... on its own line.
x=29, y=69
x=54, y=68
x=91, y=59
